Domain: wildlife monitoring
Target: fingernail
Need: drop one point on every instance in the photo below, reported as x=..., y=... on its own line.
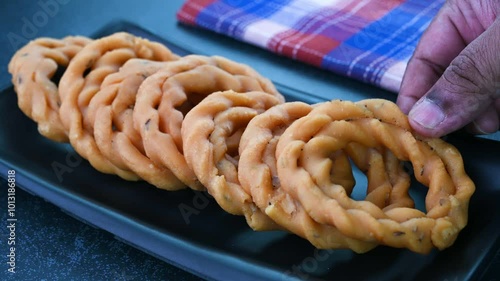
x=427, y=114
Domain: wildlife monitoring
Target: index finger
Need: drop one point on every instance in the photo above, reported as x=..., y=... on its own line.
x=447, y=35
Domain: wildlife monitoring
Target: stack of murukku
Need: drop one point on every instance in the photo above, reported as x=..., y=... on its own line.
x=133, y=108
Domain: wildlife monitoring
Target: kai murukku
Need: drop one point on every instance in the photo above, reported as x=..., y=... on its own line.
x=167, y=96
x=35, y=70
x=110, y=114
x=257, y=173
x=82, y=80
x=211, y=134
x=303, y=154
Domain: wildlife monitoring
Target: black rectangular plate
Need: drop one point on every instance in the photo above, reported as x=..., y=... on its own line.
x=216, y=245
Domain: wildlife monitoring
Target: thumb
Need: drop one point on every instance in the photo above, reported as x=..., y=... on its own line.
x=468, y=88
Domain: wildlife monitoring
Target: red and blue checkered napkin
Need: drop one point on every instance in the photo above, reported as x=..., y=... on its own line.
x=369, y=40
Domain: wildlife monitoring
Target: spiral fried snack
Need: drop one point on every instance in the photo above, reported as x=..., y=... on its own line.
x=257, y=173
x=165, y=97
x=32, y=68
x=211, y=133
x=83, y=79
x=303, y=167
x=110, y=114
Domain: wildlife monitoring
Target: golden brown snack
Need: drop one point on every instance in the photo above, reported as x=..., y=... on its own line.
x=165, y=97
x=380, y=125
x=211, y=133
x=257, y=173
x=110, y=114
x=32, y=68
x=83, y=79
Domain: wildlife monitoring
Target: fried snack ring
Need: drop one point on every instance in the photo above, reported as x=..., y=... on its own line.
x=165, y=97
x=32, y=68
x=211, y=132
x=110, y=114
x=257, y=173
x=377, y=124
x=83, y=79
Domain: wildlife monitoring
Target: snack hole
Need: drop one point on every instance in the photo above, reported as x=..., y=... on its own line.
x=361, y=184
x=86, y=72
x=57, y=75
x=417, y=191
x=192, y=100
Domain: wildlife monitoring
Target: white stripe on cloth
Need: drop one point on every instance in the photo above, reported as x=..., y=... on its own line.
x=260, y=32
x=241, y=12
x=324, y=3
x=391, y=79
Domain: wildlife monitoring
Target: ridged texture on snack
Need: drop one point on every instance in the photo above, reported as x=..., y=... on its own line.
x=257, y=172
x=33, y=69
x=167, y=96
x=82, y=80
x=377, y=125
x=110, y=114
x=211, y=134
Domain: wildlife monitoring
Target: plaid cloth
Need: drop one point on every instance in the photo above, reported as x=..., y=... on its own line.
x=369, y=40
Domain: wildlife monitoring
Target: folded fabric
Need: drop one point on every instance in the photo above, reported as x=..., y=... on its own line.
x=369, y=40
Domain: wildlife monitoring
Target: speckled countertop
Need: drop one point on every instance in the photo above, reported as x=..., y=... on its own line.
x=52, y=245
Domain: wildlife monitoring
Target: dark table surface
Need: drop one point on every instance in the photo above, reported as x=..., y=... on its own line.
x=52, y=244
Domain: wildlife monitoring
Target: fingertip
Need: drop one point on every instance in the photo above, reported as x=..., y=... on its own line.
x=427, y=114
x=427, y=118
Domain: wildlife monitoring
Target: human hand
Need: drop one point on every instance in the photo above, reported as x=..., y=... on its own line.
x=453, y=78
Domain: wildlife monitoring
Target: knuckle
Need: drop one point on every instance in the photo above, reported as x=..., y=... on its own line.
x=465, y=74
